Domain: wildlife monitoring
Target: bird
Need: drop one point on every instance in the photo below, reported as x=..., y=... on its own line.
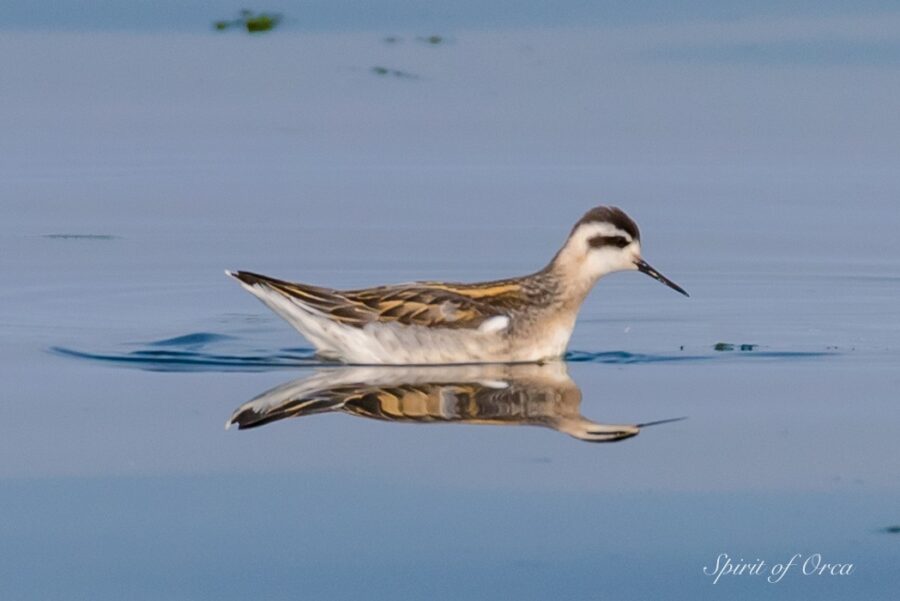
x=523, y=319
x=520, y=394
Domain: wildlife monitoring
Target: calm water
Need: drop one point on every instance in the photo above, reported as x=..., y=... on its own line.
x=137, y=167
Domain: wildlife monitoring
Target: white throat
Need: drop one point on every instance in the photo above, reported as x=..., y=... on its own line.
x=580, y=265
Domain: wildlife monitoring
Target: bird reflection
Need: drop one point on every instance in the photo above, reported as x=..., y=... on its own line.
x=498, y=394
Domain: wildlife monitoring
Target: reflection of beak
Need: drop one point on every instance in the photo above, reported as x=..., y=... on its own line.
x=644, y=267
x=661, y=421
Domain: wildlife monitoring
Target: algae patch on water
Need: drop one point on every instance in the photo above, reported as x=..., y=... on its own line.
x=251, y=22
x=388, y=72
x=729, y=346
x=434, y=40
x=81, y=236
x=431, y=40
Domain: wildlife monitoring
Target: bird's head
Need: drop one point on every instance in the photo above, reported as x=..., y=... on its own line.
x=606, y=240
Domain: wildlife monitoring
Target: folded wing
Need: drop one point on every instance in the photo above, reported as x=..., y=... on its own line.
x=421, y=303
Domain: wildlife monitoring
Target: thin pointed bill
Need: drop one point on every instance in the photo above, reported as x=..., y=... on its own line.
x=644, y=267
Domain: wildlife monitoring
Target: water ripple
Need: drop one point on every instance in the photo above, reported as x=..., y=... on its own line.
x=206, y=351
x=201, y=351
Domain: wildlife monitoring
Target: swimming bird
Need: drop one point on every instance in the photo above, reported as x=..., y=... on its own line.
x=522, y=319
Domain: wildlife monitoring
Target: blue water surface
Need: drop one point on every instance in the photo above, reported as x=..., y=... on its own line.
x=138, y=166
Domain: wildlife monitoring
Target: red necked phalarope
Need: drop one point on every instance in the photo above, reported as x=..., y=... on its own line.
x=523, y=319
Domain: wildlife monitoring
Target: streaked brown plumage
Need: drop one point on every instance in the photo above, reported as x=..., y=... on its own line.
x=428, y=304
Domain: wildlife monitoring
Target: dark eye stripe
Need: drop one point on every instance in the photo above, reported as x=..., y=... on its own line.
x=598, y=241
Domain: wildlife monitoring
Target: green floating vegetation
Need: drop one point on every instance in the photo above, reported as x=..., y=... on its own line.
x=434, y=40
x=728, y=346
x=250, y=21
x=385, y=72
x=892, y=530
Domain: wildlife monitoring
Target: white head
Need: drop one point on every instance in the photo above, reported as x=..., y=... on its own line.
x=605, y=240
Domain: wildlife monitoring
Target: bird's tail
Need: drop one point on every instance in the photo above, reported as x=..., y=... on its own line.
x=249, y=278
x=303, y=306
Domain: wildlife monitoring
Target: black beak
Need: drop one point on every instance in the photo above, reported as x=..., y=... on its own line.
x=644, y=267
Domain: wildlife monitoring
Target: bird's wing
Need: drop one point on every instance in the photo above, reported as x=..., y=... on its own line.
x=430, y=304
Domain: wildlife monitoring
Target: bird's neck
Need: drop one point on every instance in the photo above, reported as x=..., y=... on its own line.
x=573, y=280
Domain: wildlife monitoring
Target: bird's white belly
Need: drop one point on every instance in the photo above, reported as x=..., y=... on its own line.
x=548, y=343
x=403, y=344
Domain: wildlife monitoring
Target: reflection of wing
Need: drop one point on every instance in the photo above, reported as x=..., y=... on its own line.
x=421, y=303
x=529, y=394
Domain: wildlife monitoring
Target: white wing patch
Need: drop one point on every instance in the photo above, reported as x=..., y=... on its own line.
x=494, y=324
x=495, y=384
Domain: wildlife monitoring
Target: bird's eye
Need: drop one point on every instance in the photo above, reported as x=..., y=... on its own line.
x=617, y=241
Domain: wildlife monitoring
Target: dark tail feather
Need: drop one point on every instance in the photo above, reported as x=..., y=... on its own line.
x=251, y=278
x=250, y=416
